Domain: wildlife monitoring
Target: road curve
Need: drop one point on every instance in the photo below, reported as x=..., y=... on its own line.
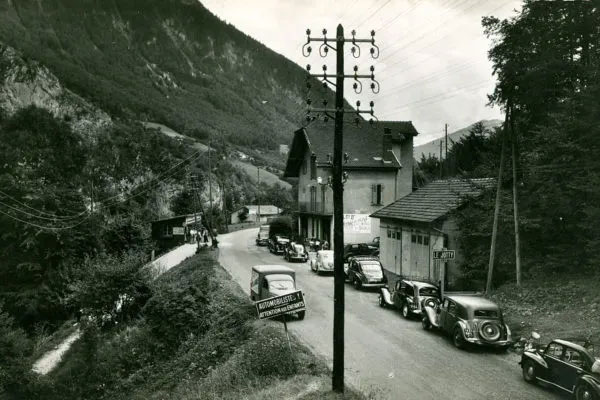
x=385, y=355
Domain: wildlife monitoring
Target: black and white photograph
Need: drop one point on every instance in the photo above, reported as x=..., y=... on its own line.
x=299, y=200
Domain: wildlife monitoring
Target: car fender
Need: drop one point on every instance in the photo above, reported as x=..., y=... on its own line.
x=593, y=383
x=462, y=325
x=534, y=357
x=431, y=316
x=387, y=297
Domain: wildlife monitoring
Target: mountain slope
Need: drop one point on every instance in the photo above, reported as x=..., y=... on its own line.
x=433, y=147
x=168, y=61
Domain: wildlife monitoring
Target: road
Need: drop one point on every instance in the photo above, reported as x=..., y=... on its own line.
x=385, y=355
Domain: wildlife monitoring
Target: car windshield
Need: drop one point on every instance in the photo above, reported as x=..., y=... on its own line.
x=281, y=285
x=428, y=291
x=371, y=267
x=486, y=313
x=283, y=240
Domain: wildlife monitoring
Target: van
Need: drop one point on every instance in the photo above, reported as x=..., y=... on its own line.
x=272, y=280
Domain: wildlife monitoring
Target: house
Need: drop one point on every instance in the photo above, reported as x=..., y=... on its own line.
x=379, y=167
x=412, y=227
x=174, y=231
x=252, y=213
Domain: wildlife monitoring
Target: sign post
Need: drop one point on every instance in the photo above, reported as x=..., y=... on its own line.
x=281, y=305
x=443, y=256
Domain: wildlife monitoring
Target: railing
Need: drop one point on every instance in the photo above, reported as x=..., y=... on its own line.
x=315, y=207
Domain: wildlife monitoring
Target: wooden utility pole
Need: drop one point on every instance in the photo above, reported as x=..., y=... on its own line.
x=92, y=197
x=446, y=152
x=338, y=175
x=441, y=163
x=513, y=137
x=338, y=220
x=488, y=286
x=210, y=190
x=258, y=195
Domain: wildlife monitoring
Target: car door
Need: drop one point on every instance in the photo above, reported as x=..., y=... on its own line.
x=442, y=311
x=553, y=356
x=450, y=317
x=573, y=367
x=397, y=296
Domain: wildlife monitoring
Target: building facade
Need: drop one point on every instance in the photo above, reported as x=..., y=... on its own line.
x=174, y=231
x=413, y=227
x=379, y=166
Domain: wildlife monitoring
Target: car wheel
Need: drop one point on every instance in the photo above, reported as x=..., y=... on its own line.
x=301, y=315
x=457, y=338
x=425, y=323
x=529, y=372
x=405, y=311
x=583, y=391
x=357, y=284
x=381, y=301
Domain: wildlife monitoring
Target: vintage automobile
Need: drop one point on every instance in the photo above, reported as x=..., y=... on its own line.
x=408, y=296
x=272, y=280
x=470, y=318
x=277, y=244
x=356, y=249
x=323, y=262
x=565, y=365
x=294, y=251
x=313, y=244
x=365, y=271
x=374, y=245
x=262, y=238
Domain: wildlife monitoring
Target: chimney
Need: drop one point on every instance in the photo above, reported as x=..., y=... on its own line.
x=387, y=154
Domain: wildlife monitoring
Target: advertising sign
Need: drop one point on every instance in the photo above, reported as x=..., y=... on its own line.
x=178, y=230
x=357, y=223
x=275, y=306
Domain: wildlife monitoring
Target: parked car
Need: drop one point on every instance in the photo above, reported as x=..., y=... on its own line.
x=565, y=365
x=408, y=296
x=295, y=251
x=365, y=272
x=272, y=280
x=313, y=244
x=323, y=262
x=470, y=319
x=356, y=249
x=374, y=243
x=277, y=244
x=262, y=238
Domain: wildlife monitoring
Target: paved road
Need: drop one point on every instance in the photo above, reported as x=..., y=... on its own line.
x=385, y=355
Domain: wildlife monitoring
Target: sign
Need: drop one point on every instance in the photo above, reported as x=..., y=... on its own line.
x=178, y=230
x=357, y=223
x=443, y=254
x=275, y=306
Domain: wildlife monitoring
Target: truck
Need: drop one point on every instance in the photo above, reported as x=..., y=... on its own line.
x=272, y=280
x=262, y=238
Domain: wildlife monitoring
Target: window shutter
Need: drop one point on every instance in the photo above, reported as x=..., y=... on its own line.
x=381, y=194
x=373, y=194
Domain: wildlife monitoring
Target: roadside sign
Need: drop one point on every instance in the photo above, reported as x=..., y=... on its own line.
x=443, y=254
x=275, y=306
x=178, y=230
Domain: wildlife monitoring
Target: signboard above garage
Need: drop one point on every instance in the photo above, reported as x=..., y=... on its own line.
x=357, y=223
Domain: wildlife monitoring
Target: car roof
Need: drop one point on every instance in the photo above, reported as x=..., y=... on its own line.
x=272, y=268
x=473, y=301
x=278, y=277
x=420, y=284
x=571, y=345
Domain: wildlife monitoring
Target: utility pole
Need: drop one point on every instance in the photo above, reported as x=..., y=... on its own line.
x=258, y=195
x=515, y=197
x=92, y=197
x=488, y=286
x=446, y=153
x=192, y=178
x=210, y=190
x=338, y=175
x=441, y=163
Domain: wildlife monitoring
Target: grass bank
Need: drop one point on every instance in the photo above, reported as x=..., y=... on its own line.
x=196, y=338
x=556, y=307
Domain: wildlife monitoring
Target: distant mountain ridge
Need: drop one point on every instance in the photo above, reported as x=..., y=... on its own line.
x=433, y=147
x=166, y=61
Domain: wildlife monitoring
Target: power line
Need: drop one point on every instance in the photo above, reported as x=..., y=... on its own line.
x=51, y=215
x=373, y=13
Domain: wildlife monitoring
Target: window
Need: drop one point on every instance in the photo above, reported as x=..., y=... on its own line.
x=265, y=284
x=313, y=166
x=167, y=230
x=399, y=235
x=554, y=350
x=313, y=198
x=389, y=232
x=377, y=194
x=426, y=240
x=573, y=357
x=452, y=308
x=419, y=239
x=413, y=238
x=486, y=313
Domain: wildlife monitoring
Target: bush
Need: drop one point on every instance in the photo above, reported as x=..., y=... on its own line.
x=15, y=349
x=280, y=226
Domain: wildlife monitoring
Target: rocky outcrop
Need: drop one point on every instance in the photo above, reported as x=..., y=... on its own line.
x=25, y=82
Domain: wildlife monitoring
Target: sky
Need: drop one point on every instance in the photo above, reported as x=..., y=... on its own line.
x=433, y=67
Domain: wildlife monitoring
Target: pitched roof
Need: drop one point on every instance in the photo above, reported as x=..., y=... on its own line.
x=364, y=144
x=434, y=200
x=266, y=209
